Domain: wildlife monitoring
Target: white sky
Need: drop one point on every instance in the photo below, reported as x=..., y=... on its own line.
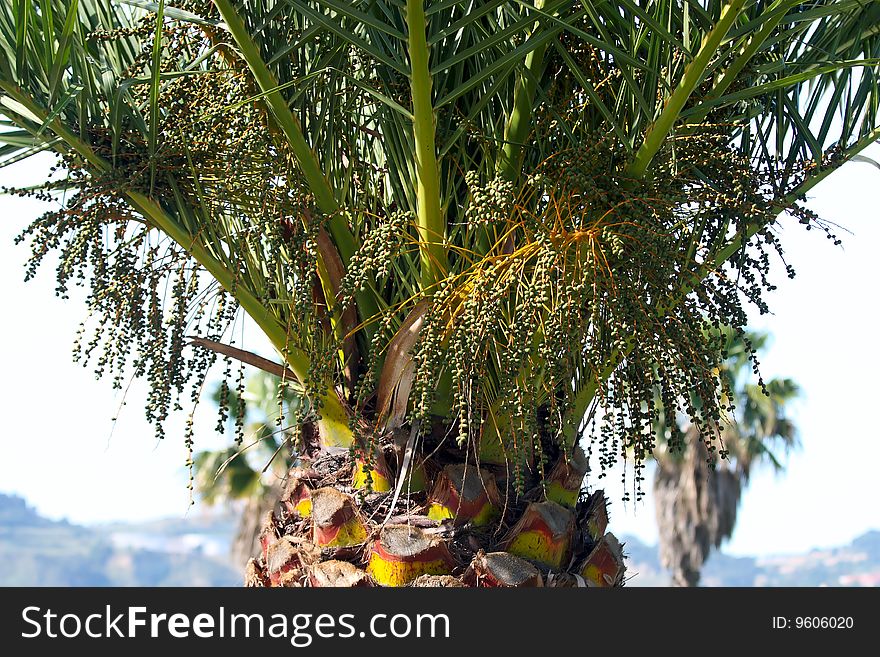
x=56, y=449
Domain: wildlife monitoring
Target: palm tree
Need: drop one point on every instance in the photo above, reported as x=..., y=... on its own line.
x=465, y=227
x=697, y=507
x=248, y=476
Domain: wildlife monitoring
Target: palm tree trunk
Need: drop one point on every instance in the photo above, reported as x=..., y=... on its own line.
x=250, y=525
x=467, y=527
x=695, y=506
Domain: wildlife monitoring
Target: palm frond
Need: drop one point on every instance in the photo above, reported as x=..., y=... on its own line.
x=571, y=187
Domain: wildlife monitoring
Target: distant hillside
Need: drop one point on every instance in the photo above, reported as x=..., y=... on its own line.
x=35, y=551
x=856, y=564
x=192, y=551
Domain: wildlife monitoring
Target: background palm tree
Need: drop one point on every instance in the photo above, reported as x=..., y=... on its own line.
x=465, y=227
x=249, y=475
x=696, y=506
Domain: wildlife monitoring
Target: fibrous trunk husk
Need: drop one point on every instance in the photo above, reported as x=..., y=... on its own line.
x=564, y=482
x=372, y=473
x=336, y=521
x=543, y=534
x=465, y=493
x=604, y=567
x=402, y=553
x=467, y=530
x=437, y=581
x=339, y=574
x=502, y=569
x=287, y=560
x=297, y=498
x=255, y=575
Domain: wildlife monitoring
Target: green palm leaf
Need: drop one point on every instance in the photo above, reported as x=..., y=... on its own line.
x=530, y=169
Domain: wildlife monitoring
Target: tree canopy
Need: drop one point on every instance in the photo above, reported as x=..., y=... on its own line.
x=496, y=217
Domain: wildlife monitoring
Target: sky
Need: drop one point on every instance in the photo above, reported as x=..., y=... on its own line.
x=61, y=451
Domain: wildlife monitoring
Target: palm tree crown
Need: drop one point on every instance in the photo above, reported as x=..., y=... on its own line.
x=697, y=506
x=472, y=221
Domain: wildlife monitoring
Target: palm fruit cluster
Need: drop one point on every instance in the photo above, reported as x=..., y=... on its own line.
x=576, y=289
x=331, y=530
